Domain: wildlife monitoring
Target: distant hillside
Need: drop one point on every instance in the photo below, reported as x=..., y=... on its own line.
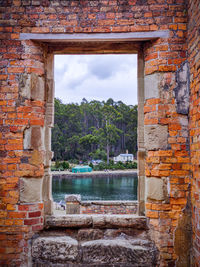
x=93, y=129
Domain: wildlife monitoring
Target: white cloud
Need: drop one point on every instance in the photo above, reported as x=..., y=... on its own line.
x=96, y=77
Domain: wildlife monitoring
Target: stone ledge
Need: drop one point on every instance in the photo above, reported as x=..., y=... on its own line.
x=128, y=36
x=96, y=221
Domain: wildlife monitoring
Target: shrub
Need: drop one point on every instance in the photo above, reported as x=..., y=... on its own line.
x=91, y=165
x=134, y=165
x=57, y=164
x=65, y=165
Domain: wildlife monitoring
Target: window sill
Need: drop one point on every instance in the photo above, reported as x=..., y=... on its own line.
x=96, y=221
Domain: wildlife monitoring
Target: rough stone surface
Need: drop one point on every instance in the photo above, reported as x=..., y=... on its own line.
x=37, y=138
x=155, y=189
x=49, y=118
x=183, y=237
x=27, y=138
x=120, y=247
x=97, y=221
x=182, y=89
x=25, y=85
x=155, y=137
x=116, y=251
x=55, y=249
x=30, y=190
x=113, y=221
x=48, y=157
x=72, y=198
x=34, y=138
x=89, y=234
x=47, y=192
x=37, y=157
x=50, y=90
x=73, y=208
x=37, y=87
x=47, y=264
x=69, y=221
x=151, y=86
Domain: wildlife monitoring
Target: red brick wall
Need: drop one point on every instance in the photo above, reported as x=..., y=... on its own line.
x=194, y=61
x=172, y=164
x=100, y=207
x=163, y=55
x=18, y=221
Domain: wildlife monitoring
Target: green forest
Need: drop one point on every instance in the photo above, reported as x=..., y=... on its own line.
x=93, y=130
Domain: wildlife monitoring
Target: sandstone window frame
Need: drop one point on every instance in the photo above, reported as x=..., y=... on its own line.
x=106, y=43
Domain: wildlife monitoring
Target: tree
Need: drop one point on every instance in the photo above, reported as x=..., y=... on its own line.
x=111, y=132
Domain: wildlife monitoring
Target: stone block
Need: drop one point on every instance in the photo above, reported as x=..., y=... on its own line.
x=73, y=208
x=183, y=73
x=37, y=87
x=30, y=190
x=34, y=138
x=49, y=120
x=37, y=138
x=97, y=221
x=115, y=221
x=70, y=221
x=182, y=89
x=47, y=158
x=55, y=248
x=27, y=138
x=73, y=203
x=183, y=236
x=25, y=85
x=89, y=234
x=151, y=86
x=47, y=139
x=182, y=98
x=155, y=137
x=37, y=157
x=155, y=188
x=141, y=161
x=50, y=91
x=73, y=198
x=117, y=250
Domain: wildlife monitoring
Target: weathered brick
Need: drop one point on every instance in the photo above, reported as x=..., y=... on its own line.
x=18, y=215
x=152, y=214
x=34, y=214
x=31, y=221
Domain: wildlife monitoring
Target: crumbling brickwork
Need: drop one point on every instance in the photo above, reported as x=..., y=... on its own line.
x=24, y=102
x=194, y=63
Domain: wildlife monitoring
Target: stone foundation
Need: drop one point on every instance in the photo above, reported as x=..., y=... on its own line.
x=99, y=240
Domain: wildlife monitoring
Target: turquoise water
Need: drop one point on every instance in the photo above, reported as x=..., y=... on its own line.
x=105, y=188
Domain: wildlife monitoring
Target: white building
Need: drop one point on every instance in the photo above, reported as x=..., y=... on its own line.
x=124, y=158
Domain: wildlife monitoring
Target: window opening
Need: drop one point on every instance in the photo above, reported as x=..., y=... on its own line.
x=95, y=127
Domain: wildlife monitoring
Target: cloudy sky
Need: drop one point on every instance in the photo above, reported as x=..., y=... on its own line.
x=96, y=77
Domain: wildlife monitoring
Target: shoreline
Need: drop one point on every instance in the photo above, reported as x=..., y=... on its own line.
x=115, y=173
